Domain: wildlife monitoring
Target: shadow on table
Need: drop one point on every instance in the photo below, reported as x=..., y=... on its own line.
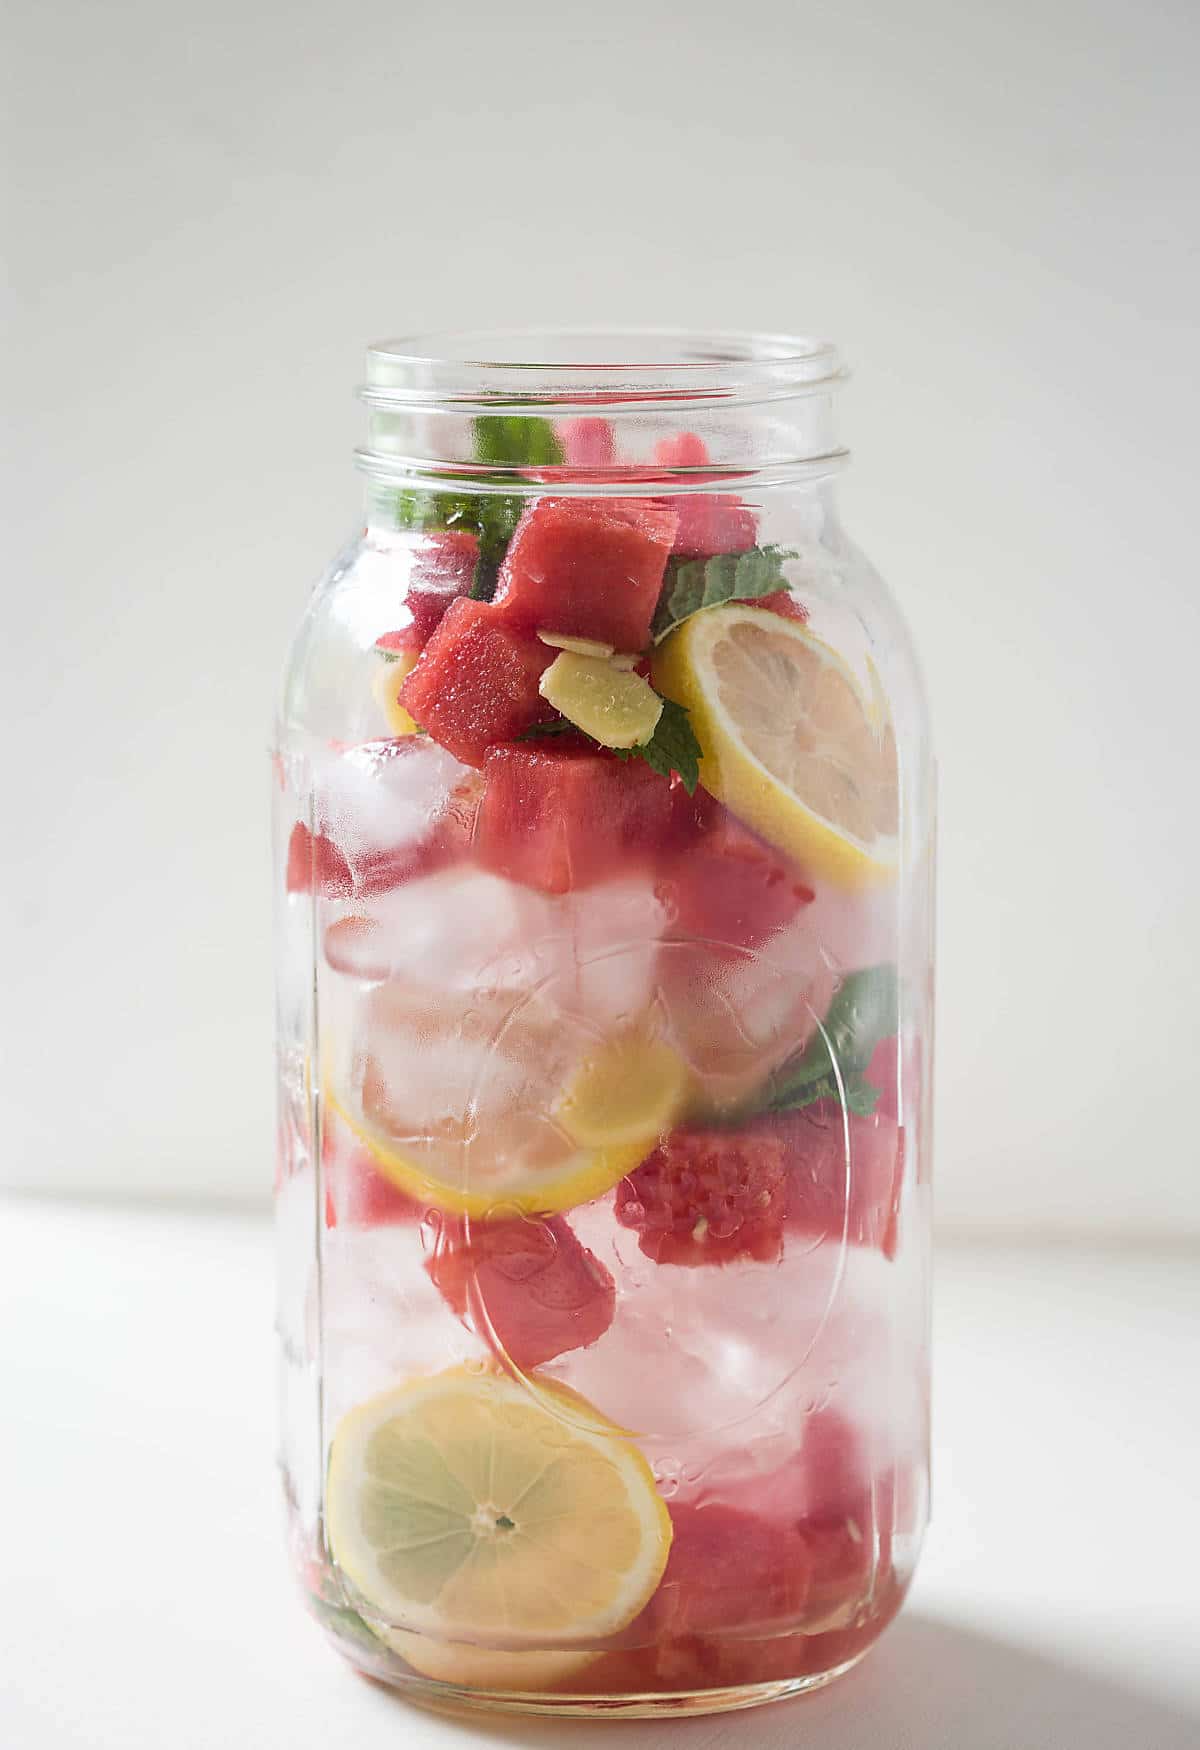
x=926, y=1687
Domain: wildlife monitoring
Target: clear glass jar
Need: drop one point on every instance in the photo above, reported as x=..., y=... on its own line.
x=604, y=862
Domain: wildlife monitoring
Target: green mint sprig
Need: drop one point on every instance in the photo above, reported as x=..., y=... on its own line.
x=691, y=585
x=510, y=441
x=672, y=748
x=516, y=441
x=856, y=1094
x=865, y=1010
x=490, y=519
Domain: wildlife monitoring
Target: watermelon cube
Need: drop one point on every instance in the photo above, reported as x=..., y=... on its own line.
x=587, y=568
x=315, y=865
x=561, y=816
x=825, y=1496
x=845, y=1175
x=529, y=1288
x=727, y=886
x=588, y=443
x=709, y=522
x=357, y=1195
x=476, y=682
x=709, y=1197
x=685, y=449
x=783, y=603
x=730, y=1567
x=442, y=569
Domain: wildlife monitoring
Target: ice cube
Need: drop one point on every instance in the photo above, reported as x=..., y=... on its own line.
x=732, y=1359
x=382, y=795
x=738, y=1013
x=384, y=1320
x=857, y=927
x=590, y=956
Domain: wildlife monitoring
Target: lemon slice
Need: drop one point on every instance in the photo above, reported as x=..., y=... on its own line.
x=790, y=743
x=464, y=1177
x=386, y=686
x=467, y=1508
x=630, y=1091
x=615, y=706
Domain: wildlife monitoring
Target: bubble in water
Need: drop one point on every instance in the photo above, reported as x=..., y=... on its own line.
x=667, y=1472
x=497, y=1212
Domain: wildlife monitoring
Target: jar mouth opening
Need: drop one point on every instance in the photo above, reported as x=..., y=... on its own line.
x=582, y=367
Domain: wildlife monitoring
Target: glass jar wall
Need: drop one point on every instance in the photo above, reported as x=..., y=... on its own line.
x=604, y=828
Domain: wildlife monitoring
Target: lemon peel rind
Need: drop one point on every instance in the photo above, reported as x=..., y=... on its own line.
x=590, y=1429
x=606, y=1168
x=736, y=777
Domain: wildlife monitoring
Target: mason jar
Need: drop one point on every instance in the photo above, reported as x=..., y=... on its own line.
x=604, y=869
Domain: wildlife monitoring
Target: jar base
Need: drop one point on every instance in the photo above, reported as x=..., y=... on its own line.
x=445, y=1698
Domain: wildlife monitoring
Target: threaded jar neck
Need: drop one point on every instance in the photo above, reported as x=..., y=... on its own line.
x=581, y=412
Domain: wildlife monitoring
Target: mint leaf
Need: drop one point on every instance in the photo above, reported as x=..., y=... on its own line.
x=484, y=580
x=514, y=440
x=491, y=518
x=865, y=1009
x=503, y=441
x=863, y=1012
x=859, y=1097
x=672, y=748
x=691, y=585
x=556, y=726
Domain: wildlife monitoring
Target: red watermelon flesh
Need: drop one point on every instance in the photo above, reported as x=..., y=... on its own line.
x=443, y=568
x=686, y=449
x=709, y=1196
x=806, y=1549
x=314, y=864
x=820, y=1204
x=727, y=886
x=783, y=603
x=587, y=568
x=540, y=1291
x=356, y=1195
x=709, y=522
x=476, y=683
x=712, y=1196
x=729, y=1569
x=560, y=816
x=588, y=443
x=826, y=1494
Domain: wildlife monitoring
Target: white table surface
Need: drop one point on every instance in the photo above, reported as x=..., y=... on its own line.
x=145, y=1603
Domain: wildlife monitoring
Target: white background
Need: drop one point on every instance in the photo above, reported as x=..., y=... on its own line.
x=208, y=213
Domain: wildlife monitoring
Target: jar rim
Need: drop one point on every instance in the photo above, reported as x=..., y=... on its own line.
x=581, y=367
